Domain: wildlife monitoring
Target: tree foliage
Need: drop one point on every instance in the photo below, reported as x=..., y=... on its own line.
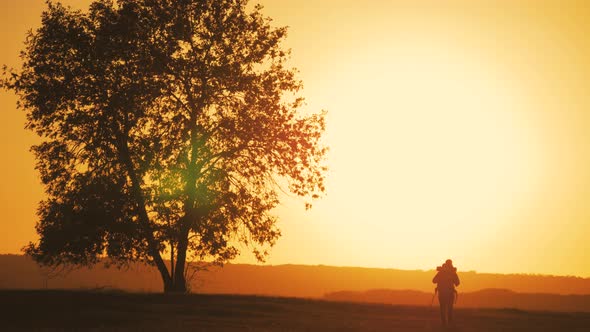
x=167, y=127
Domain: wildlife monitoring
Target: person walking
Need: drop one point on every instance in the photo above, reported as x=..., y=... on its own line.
x=446, y=279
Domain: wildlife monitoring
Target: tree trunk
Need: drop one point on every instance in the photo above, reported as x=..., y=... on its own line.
x=179, y=270
x=178, y=285
x=144, y=218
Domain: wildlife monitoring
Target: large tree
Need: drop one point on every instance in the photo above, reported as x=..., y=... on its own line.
x=168, y=127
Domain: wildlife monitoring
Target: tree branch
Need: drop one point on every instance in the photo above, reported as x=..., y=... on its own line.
x=143, y=215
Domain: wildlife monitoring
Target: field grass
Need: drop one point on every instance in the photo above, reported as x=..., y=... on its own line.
x=112, y=311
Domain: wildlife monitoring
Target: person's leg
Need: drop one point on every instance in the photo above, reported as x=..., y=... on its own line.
x=450, y=308
x=443, y=309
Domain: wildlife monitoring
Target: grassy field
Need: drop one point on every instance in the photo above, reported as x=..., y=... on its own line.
x=97, y=311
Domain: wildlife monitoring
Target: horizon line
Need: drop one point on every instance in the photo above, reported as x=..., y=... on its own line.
x=378, y=268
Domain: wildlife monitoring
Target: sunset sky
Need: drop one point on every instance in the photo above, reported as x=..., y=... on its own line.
x=457, y=129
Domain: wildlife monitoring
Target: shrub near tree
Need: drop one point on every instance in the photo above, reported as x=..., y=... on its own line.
x=166, y=128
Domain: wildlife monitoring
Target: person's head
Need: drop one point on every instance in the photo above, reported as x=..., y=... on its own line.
x=447, y=266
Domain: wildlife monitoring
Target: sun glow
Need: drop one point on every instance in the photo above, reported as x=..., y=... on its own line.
x=433, y=149
x=431, y=152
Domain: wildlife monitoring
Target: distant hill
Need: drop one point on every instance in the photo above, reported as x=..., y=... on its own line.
x=315, y=281
x=20, y=272
x=487, y=298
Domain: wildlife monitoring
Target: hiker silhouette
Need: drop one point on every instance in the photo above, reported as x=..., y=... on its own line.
x=446, y=279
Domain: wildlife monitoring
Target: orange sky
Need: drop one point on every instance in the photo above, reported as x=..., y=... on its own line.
x=457, y=129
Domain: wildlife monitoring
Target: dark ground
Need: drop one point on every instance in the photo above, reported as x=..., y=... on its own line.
x=111, y=311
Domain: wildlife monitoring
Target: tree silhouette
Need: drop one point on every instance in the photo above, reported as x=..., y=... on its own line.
x=167, y=126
